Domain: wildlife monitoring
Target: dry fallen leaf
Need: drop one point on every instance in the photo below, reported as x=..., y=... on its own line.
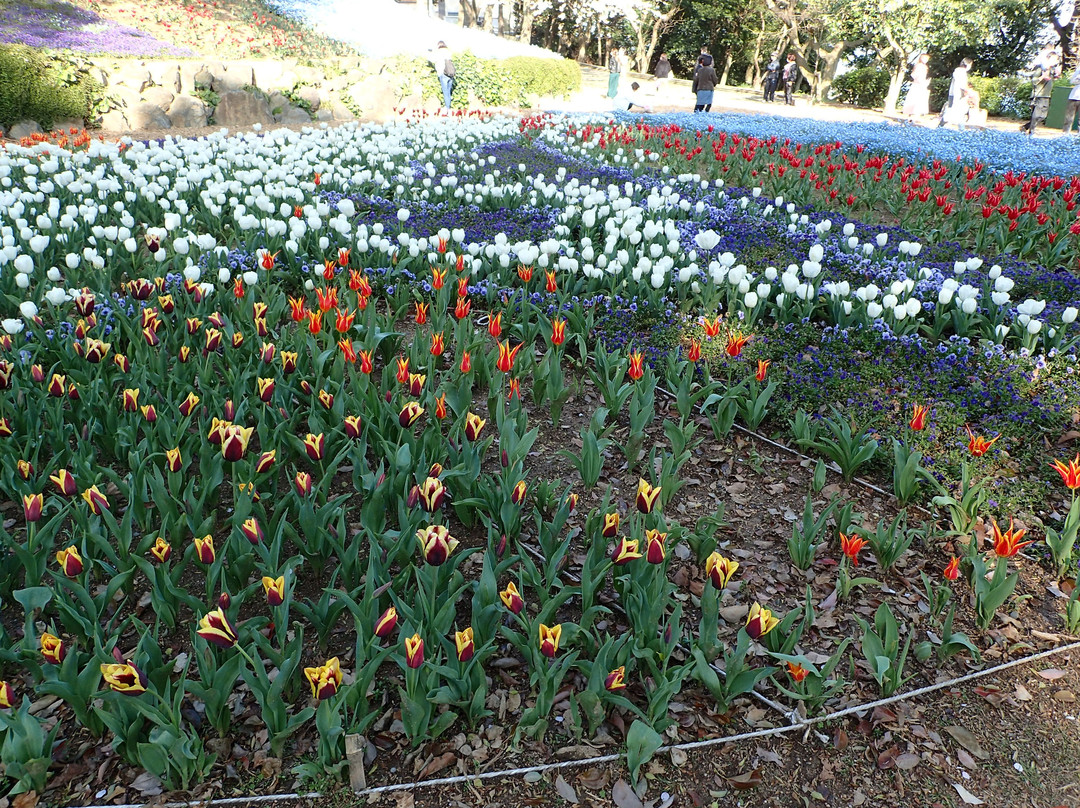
x=907, y=761
x=967, y=796
x=1065, y=695
x=437, y=764
x=746, y=780
x=966, y=760
x=1051, y=674
x=624, y=797
x=968, y=741
x=678, y=757
x=566, y=791
x=593, y=779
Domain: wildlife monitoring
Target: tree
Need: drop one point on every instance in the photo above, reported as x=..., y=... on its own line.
x=820, y=32
x=648, y=20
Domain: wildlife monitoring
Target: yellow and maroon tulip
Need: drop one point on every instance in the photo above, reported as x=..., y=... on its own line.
x=37, y=373
x=5, y=428
x=288, y=361
x=96, y=500
x=386, y=623
x=149, y=413
x=188, y=405
x=414, y=651
x=616, y=680
x=217, y=430
x=315, y=446
x=654, y=546
x=512, y=599
x=436, y=544
x=416, y=384
x=33, y=505
x=549, y=640
x=850, y=546
x=96, y=350
x=303, y=483
x=53, y=648
x=266, y=352
x=352, y=426
x=1070, y=472
x=124, y=678
x=25, y=469
x=474, y=425
x=204, y=549
x=7, y=696
x=517, y=496
x=6, y=371
x=70, y=561
x=760, y=621
x=234, y=442
x=637, y=366
x=1007, y=543
x=720, y=570
x=161, y=550
x=265, y=461
x=65, y=482
x=252, y=530
x=275, y=589
x=432, y=493
x=57, y=385
x=410, y=414
x=324, y=679
x=463, y=641
x=647, y=496
x=626, y=550
x=919, y=415
x=611, y=525
x=215, y=627
x=266, y=389
x=174, y=461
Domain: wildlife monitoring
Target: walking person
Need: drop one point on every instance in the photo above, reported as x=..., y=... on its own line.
x=790, y=77
x=1072, y=106
x=616, y=66
x=701, y=60
x=444, y=69
x=1044, y=70
x=957, y=106
x=662, y=73
x=705, y=81
x=772, y=77
x=917, y=103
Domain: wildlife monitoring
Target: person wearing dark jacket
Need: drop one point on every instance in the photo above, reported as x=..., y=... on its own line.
x=662, y=73
x=705, y=81
x=700, y=60
x=790, y=77
x=772, y=77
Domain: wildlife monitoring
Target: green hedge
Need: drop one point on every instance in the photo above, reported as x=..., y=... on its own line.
x=1004, y=97
x=496, y=82
x=863, y=86
x=45, y=87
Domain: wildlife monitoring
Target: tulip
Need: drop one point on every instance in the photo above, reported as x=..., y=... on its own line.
x=188, y=405
x=797, y=672
x=647, y=496
x=252, y=530
x=288, y=361
x=6, y=369
x=1008, y=544
x=174, y=461
x=712, y=327
x=352, y=426
x=314, y=445
x=386, y=623
x=204, y=550
x=438, y=277
x=1070, y=472
x=432, y=493
x=616, y=680
x=654, y=548
x=193, y=324
x=53, y=648
x=438, y=345
x=637, y=366
x=344, y=321
x=512, y=599
x=421, y=313
x=265, y=461
x=96, y=350
x=326, y=399
x=693, y=354
x=410, y=414
x=403, y=370
x=611, y=525
x=297, y=310
x=234, y=442
x=414, y=651
x=365, y=362
x=436, y=544
x=266, y=352
x=25, y=469
x=549, y=640
x=720, y=570
x=474, y=425
x=760, y=621
x=513, y=390
x=57, y=387
x=70, y=562
x=65, y=482
x=303, y=483
x=850, y=546
x=572, y=502
x=625, y=551
x=551, y=286
x=216, y=432
x=149, y=413
x=495, y=326
x=977, y=444
x=267, y=260
x=461, y=309
x=33, y=504
x=517, y=496
x=124, y=678
x=161, y=550
x=952, y=569
x=558, y=332
x=416, y=383
x=215, y=627
x=314, y=322
x=73, y=392
x=525, y=273
x=440, y=407
x=5, y=428
x=7, y=696
x=463, y=640
x=918, y=417
x=348, y=351
x=324, y=679
x=735, y=343
x=505, y=362
x=275, y=589
x=326, y=299
x=96, y=500
x=266, y=389
x=762, y=369
x=84, y=303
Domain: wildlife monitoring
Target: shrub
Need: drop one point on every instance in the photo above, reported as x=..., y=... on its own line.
x=45, y=87
x=543, y=77
x=1005, y=96
x=863, y=86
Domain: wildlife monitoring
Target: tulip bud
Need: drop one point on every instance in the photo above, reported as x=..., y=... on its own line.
x=463, y=640
x=436, y=544
x=65, y=482
x=33, y=504
x=70, y=562
x=25, y=469
x=512, y=599
x=252, y=530
x=655, y=551
x=386, y=623
x=760, y=621
x=275, y=590
x=224, y=600
x=161, y=550
x=647, y=496
x=265, y=461
x=611, y=525
x=517, y=496
x=7, y=696
x=414, y=651
x=215, y=628
x=616, y=680
x=303, y=483
x=410, y=413
x=549, y=640
x=53, y=648
x=204, y=550
x=501, y=547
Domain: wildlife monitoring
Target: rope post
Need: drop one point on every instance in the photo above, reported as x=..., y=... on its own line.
x=354, y=754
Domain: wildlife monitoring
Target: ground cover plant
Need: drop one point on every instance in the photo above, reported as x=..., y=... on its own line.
x=430, y=433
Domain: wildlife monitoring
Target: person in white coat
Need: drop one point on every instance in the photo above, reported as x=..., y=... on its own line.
x=443, y=61
x=1072, y=106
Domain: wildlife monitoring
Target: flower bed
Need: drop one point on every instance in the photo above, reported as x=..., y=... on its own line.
x=413, y=431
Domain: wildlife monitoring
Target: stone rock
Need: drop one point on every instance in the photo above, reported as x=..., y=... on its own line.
x=291, y=114
x=236, y=76
x=165, y=74
x=308, y=75
x=267, y=75
x=311, y=95
x=343, y=113
x=377, y=98
x=203, y=79
x=187, y=112
x=22, y=129
x=277, y=103
x=114, y=121
x=324, y=114
x=160, y=97
x=286, y=81
x=133, y=77
x=147, y=116
x=237, y=108
x=67, y=124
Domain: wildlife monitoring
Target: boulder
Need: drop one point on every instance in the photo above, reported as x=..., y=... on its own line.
x=114, y=121
x=236, y=76
x=277, y=103
x=267, y=75
x=237, y=108
x=187, y=112
x=203, y=79
x=23, y=129
x=147, y=116
x=324, y=114
x=291, y=114
x=286, y=81
x=311, y=95
x=165, y=74
x=67, y=124
x=377, y=98
x=133, y=77
x=160, y=97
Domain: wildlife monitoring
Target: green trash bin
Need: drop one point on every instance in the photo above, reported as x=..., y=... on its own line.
x=1055, y=118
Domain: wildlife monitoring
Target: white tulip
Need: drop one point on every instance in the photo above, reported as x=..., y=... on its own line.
x=882, y=239
x=969, y=306
x=1069, y=315
x=28, y=309
x=13, y=326
x=1033, y=327
x=56, y=296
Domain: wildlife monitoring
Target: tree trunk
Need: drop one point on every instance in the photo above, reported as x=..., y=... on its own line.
x=469, y=13
x=729, y=57
x=528, y=12
x=753, y=70
x=828, y=62
x=896, y=80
